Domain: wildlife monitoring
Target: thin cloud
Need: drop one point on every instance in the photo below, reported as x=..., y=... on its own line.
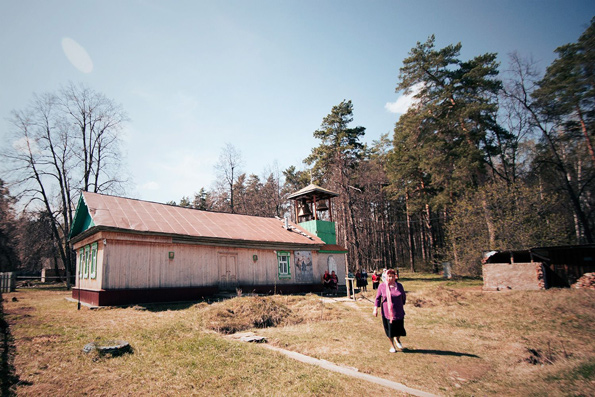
x=150, y=186
x=404, y=102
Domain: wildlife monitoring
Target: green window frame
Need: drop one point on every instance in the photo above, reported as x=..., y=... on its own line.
x=284, y=264
x=93, y=260
x=81, y=261
x=86, y=269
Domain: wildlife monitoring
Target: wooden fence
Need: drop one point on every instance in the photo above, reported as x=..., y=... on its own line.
x=7, y=282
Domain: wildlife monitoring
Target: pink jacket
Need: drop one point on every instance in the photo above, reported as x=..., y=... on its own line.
x=398, y=298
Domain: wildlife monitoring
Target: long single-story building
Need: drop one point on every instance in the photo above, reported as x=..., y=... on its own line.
x=133, y=251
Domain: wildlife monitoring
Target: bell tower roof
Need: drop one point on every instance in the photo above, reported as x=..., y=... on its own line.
x=311, y=191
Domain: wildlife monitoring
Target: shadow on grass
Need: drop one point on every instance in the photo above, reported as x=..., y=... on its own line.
x=439, y=352
x=175, y=306
x=164, y=307
x=8, y=377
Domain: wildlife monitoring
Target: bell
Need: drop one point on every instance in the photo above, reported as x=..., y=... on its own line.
x=321, y=206
x=304, y=210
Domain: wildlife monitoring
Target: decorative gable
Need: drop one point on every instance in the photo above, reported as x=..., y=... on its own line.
x=82, y=219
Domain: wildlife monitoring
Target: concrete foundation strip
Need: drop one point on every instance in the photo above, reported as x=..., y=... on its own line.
x=349, y=372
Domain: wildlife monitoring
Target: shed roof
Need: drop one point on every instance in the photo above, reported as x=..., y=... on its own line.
x=569, y=255
x=119, y=213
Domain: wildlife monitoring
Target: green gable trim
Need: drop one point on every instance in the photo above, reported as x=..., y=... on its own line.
x=82, y=219
x=324, y=230
x=332, y=252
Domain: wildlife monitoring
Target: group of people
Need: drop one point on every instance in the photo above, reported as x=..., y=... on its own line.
x=361, y=279
x=330, y=281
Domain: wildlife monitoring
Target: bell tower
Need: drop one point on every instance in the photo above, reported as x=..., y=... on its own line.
x=313, y=211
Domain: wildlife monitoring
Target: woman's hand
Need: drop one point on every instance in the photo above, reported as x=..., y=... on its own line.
x=375, y=312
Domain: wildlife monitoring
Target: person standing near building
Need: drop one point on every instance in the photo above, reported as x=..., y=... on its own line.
x=334, y=280
x=326, y=280
x=358, y=279
x=390, y=298
x=375, y=279
x=364, y=280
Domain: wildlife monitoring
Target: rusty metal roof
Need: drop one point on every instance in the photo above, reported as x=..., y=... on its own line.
x=144, y=216
x=313, y=190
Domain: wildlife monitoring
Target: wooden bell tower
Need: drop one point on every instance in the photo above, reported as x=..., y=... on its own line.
x=310, y=204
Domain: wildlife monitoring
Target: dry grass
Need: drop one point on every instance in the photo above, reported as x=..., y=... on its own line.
x=460, y=341
x=173, y=352
x=237, y=315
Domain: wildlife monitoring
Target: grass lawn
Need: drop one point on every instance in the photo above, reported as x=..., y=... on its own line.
x=461, y=341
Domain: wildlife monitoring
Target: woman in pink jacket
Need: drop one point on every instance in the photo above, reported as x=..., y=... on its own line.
x=391, y=298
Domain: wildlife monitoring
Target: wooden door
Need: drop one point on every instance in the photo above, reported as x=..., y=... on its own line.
x=228, y=268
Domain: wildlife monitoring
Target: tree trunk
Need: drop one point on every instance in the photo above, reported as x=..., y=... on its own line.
x=430, y=233
x=559, y=164
x=410, y=235
x=487, y=213
x=586, y=134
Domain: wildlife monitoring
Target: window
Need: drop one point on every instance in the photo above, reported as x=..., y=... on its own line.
x=284, y=264
x=93, y=261
x=81, y=261
x=86, y=263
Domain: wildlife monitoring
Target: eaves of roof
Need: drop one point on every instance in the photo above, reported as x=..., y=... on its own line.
x=210, y=241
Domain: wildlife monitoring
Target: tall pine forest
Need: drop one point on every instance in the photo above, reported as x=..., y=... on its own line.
x=488, y=157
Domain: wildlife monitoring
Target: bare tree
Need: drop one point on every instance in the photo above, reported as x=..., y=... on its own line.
x=273, y=190
x=228, y=169
x=64, y=143
x=99, y=122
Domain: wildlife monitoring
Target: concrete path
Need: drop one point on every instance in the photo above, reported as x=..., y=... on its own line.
x=349, y=372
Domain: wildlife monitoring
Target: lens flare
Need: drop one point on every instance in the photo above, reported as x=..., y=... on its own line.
x=77, y=55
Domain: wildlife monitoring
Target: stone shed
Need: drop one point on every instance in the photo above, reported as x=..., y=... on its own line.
x=537, y=268
x=504, y=270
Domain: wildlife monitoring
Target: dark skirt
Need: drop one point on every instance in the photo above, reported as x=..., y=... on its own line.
x=394, y=328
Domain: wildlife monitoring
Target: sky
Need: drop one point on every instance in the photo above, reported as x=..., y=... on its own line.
x=196, y=75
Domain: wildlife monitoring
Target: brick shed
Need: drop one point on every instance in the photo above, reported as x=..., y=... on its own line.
x=504, y=270
x=537, y=268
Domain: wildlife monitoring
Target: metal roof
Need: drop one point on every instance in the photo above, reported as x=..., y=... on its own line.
x=311, y=190
x=143, y=216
